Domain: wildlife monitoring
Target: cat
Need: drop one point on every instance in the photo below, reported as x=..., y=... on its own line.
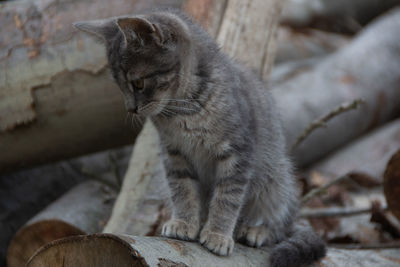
x=227, y=169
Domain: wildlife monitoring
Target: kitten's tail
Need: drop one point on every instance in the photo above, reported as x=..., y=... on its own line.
x=303, y=247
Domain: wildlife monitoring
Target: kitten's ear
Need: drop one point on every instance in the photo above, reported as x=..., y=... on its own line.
x=102, y=29
x=139, y=30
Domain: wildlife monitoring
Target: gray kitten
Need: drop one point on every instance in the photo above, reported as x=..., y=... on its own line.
x=228, y=173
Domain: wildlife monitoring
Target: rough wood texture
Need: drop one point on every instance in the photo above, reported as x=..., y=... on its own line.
x=353, y=72
x=367, y=155
x=56, y=97
x=244, y=18
x=154, y=252
x=82, y=210
x=145, y=164
x=209, y=13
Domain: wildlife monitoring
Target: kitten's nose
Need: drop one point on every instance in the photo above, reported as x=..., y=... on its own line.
x=133, y=109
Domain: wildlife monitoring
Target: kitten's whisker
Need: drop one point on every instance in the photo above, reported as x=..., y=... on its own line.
x=180, y=108
x=135, y=124
x=169, y=112
x=127, y=118
x=178, y=101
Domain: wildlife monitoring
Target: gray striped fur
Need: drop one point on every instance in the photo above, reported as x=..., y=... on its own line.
x=228, y=173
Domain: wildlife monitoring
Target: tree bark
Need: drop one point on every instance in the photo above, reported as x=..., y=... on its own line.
x=244, y=18
x=82, y=210
x=353, y=72
x=367, y=155
x=151, y=251
x=209, y=13
x=56, y=97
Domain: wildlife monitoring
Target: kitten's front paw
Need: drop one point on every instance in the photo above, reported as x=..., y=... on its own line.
x=180, y=230
x=254, y=236
x=217, y=243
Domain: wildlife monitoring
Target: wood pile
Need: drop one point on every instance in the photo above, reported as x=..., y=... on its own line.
x=337, y=89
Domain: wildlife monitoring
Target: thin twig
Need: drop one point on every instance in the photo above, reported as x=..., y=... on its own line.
x=322, y=189
x=321, y=122
x=389, y=245
x=335, y=212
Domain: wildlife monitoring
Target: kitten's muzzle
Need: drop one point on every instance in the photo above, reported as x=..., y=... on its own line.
x=133, y=109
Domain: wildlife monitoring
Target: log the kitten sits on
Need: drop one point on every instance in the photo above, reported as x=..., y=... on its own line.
x=227, y=169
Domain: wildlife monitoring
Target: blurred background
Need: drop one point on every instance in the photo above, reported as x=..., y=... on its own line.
x=66, y=141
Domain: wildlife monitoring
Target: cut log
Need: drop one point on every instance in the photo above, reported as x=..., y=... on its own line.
x=82, y=210
x=56, y=97
x=353, y=72
x=367, y=155
x=25, y=193
x=154, y=252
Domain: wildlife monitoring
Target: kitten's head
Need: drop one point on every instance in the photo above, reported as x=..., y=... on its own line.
x=146, y=55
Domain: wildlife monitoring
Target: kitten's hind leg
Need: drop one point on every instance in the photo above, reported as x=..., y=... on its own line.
x=253, y=236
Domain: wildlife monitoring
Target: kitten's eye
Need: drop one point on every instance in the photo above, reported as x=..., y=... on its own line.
x=138, y=84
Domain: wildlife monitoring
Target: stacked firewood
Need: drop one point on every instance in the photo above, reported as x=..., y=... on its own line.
x=336, y=79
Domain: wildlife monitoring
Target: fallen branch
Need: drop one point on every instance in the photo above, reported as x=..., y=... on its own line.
x=322, y=189
x=321, y=122
x=335, y=212
x=390, y=245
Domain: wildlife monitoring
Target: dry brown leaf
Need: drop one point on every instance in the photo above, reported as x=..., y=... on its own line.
x=391, y=184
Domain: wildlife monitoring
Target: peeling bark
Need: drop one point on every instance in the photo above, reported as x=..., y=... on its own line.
x=56, y=97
